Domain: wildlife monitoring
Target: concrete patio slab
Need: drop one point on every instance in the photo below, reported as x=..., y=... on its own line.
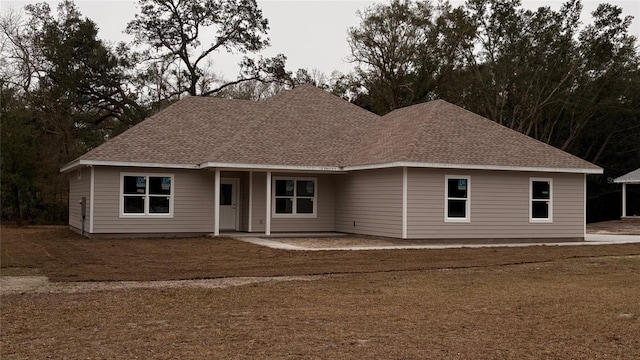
x=590, y=239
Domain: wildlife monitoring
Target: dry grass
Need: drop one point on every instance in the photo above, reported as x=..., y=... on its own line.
x=555, y=303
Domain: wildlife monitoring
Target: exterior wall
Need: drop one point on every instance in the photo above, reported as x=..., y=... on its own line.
x=243, y=197
x=363, y=202
x=370, y=202
x=192, y=203
x=79, y=188
x=325, y=206
x=258, y=199
x=499, y=205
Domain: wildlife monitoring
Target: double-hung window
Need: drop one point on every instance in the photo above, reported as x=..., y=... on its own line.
x=540, y=200
x=146, y=195
x=294, y=197
x=457, y=194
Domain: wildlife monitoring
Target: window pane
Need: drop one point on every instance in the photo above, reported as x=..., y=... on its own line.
x=457, y=209
x=457, y=188
x=284, y=206
x=134, y=184
x=225, y=194
x=304, y=206
x=305, y=188
x=159, y=185
x=284, y=187
x=541, y=190
x=134, y=205
x=158, y=205
x=539, y=210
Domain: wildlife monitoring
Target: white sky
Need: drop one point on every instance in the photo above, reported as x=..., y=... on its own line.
x=312, y=34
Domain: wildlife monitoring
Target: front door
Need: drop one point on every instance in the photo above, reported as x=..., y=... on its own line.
x=228, y=204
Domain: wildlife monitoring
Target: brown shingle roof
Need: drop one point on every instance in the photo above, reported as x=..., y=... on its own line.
x=310, y=127
x=184, y=133
x=438, y=132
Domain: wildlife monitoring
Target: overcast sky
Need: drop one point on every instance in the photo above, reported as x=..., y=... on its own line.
x=312, y=34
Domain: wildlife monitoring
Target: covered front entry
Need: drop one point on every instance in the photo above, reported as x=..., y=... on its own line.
x=259, y=201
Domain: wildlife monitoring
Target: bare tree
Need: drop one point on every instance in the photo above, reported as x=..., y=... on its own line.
x=172, y=31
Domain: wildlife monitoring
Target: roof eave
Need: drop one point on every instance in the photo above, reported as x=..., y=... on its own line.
x=206, y=165
x=82, y=162
x=337, y=169
x=597, y=170
x=626, y=181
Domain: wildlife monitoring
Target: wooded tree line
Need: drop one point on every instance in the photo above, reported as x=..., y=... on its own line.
x=64, y=91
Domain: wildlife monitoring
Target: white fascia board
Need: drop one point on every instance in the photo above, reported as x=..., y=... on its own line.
x=70, y=166
x=77, y=163
x=335, y=169
x=271, y=167
x=472, y=167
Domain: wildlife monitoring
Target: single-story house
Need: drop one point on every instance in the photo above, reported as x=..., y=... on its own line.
x=308, y=161
x=630, y=204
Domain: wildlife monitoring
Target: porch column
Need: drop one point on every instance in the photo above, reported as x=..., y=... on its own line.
x=624, y=200
x=267, y=228
x=404, y=202
x=216, y=203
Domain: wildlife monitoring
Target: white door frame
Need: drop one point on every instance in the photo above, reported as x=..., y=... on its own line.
x=235, y=182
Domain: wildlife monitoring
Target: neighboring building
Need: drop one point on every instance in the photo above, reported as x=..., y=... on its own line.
x=308, y=161
x=630, y=203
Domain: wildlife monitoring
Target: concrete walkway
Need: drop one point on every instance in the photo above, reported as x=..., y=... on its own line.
x=590, y=239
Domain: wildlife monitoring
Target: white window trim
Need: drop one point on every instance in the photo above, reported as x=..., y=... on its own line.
x=467, y=218
x=146, y=214
x=531, y=200
x=294, y=215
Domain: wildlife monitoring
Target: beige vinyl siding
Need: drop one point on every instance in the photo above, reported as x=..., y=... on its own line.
x=325, y=210
x=244, y=202
x=193, y=203
x=77, y=190
x=258, y=211
x=372, y=199
x=499, y=205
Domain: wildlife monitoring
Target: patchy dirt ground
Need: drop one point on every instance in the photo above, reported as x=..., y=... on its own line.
x=526, y=303
x=62, y=255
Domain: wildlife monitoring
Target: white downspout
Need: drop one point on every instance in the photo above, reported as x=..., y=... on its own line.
x=584, y=206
